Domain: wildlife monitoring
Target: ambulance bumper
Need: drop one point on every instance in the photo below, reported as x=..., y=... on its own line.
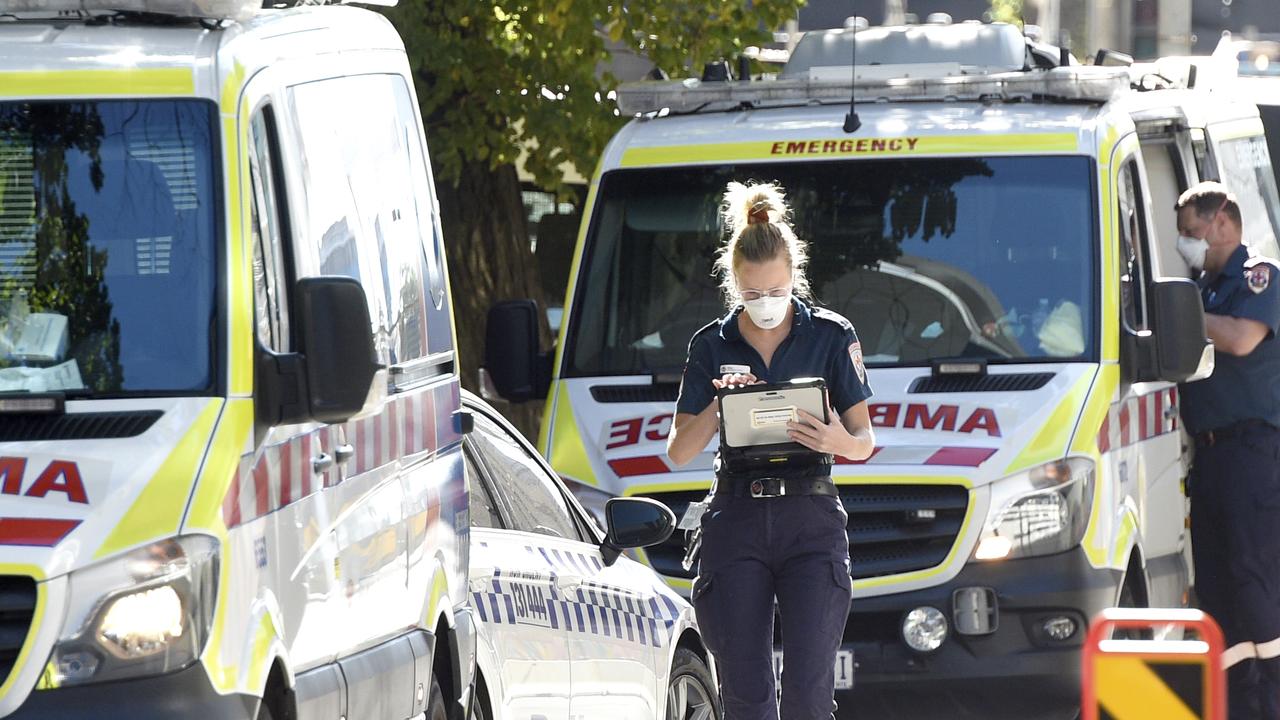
x=183, y=694
x=1017, y=671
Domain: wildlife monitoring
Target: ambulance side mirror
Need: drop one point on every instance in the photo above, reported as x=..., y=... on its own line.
x=328, y=380
x=1182, y=350
x=634, y=523
x=513, y=364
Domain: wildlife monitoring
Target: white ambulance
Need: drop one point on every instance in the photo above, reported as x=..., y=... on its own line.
x=230, y=433
x=1000, y=231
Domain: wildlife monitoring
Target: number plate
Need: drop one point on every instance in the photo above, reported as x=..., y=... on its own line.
x=843, y=668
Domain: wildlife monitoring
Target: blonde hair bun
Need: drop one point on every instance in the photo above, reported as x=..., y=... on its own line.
x=751, y=204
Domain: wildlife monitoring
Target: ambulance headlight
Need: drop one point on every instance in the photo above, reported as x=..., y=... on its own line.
x=1040, y=511
x=144, y=613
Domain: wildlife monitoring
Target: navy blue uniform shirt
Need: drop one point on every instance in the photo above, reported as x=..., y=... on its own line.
x=1241, y=388
x=821, y=344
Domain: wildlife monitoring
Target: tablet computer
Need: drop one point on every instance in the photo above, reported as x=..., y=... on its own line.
x=756, y=416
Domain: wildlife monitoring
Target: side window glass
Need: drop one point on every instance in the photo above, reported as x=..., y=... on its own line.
x=1132, y=232
x=270, y=278
x=536, y=503
x=484, y=510
x=358, y=155
x=1246, y=168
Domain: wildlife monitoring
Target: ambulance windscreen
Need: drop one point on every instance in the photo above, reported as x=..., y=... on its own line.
x=929, y=258
x=107, y=263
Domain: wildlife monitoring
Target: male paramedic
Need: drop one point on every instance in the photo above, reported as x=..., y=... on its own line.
x=1234, y=419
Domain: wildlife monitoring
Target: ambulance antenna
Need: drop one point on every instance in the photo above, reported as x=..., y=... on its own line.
x=851, y=121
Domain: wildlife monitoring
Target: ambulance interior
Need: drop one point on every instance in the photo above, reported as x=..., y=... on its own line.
x=930, y=259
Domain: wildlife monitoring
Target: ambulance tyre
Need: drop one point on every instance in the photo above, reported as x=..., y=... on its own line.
x=692, y=692
x=436, y=709
x=264, y=711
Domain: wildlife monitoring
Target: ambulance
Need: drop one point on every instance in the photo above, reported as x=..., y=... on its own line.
x=998, y=225
x=231, y=472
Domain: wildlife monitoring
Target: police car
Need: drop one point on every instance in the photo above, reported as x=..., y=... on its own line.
x=567, y=626
x=998, y=226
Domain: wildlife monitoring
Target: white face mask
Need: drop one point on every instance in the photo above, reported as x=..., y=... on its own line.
x=1193, y=251
x=768, y=312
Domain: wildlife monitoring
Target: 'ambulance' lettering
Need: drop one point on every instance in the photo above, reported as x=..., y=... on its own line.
x=624, y=432
x=844, y=147
x=59, y=476
x=942, y=417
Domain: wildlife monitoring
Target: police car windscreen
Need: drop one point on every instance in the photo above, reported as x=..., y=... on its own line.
x=107, y=263
x=930, y=258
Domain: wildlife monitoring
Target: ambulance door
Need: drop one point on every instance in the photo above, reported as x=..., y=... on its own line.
x=340, y=143
x=280, y=510
x=1147, y=462
x=1244, y=162
x=1169, y=168
x=513, y=581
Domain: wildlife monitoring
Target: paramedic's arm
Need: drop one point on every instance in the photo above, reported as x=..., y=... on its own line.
x=1254, y=319
x=1234, y=335
x=851, y=437
x=690, y=433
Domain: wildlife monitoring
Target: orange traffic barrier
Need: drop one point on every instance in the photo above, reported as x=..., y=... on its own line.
x=1139, y=679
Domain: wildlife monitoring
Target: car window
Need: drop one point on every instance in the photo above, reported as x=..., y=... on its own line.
x=534, y=499
x=484, y=509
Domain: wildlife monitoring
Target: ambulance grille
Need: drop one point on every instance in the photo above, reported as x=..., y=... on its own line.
x=661, y=392
x=76, y=426
x=17, y=610
x=1011, y=382
x=893, y=529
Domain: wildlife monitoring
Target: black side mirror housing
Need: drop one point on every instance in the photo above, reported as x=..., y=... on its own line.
x=1182, y=350
x=634, y=523
x=329, y=379
x=511, y=356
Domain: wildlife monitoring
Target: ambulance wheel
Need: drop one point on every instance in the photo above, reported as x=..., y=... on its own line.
x=436, y=709
x=264, y=711
x=692, y=694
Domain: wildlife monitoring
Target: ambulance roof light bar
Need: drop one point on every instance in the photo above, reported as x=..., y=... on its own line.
x=209, y=9
x=205, y=9
x=1086, y=84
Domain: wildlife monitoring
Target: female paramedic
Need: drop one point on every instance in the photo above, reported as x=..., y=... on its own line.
x=766, y=537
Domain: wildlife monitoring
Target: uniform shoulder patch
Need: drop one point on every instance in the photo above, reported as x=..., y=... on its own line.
x=855, y=356
x=832, y=316
x=1258, y=278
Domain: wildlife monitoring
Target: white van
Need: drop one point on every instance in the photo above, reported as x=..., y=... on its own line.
x=230, y=431
x=1000, y=231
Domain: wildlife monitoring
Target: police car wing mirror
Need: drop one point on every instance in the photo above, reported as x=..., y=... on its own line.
x=513, y=364
x=337, y=346
x=1182, y=350
x=634, y=523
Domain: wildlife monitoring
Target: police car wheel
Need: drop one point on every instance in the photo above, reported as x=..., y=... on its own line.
x=691, y=694
x=436, y=709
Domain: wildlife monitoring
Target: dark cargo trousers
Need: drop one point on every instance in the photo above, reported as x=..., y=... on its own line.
x=793, y=548
x=1235, y=541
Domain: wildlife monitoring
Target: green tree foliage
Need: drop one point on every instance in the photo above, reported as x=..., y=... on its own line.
x=1007, y=11
x=498, y=75
x=495, y=77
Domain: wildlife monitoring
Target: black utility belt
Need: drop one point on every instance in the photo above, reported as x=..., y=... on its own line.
x=779, y=487
x=1236, y=430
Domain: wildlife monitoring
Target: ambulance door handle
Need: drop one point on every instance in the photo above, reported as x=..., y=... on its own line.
x=344, y=453
x=321, y=463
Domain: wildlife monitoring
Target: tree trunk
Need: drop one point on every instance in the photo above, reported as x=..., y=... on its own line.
x=487, y=247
